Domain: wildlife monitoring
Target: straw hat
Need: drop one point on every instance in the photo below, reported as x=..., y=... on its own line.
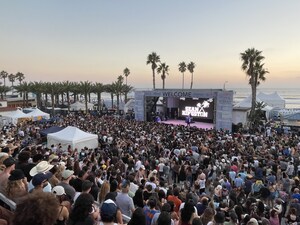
x=11, y=146
x=41, y=167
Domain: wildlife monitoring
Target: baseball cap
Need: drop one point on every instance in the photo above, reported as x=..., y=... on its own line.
x=40, y=177
x=67, y=173
x=16, y=175
x=58, y=190
x=125, y=183
x=108, y=209
x=9, y=162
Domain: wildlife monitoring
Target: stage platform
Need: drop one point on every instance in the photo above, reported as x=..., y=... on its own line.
x=207, y=126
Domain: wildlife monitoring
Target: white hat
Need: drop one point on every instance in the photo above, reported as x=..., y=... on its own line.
x=154, y=171
x=142, y=167
x=41, y=167
x=58, y=190
x=67, y=173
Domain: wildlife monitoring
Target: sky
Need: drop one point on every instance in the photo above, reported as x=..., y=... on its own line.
x=95, y=40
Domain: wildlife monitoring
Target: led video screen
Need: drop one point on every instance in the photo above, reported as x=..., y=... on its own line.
x=201, y=109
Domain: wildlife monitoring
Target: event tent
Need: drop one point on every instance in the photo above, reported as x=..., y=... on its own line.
x=37, y=114
x=80, y=106
x=241, y=110
x=74, y=137
x=14, y=117
x=273, y=99
x=51, y=130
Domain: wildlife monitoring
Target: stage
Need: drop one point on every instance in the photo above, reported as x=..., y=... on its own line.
x=207, y=126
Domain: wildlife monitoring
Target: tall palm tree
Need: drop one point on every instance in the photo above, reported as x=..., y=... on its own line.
x=4, y=75
x=191, y=66
x=253, y=67
x=118, y=89
x=182, y=69
x=153, y=59
x=126, y=73
x=163, y=68
x=12, y=79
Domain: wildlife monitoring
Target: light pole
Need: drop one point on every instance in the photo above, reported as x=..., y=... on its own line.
x=224, y=85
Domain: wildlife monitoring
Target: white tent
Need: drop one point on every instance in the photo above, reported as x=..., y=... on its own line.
x=273, y=99
x=76, y=106
x=241, y=110
x=37, y=114
x=14, y=117
x=74, y=137
x=129, y=105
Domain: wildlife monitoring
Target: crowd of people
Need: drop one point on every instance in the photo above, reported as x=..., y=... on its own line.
x=149, y=173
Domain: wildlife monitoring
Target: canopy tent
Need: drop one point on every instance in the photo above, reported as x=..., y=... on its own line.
x=129, y=105
x=80, y=106
x=273, y=99
x=14, y=117
x=51, y=130
x=74, y=137
x=241, y=110
x=37, y=115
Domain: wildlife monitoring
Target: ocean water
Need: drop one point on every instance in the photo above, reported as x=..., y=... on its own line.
x=290, y=95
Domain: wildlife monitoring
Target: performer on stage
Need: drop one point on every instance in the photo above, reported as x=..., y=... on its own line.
x=188, y=120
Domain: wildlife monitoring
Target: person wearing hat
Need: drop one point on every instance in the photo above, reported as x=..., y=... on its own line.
x=41, y=167
x=39, y=181
x=108, y=212
x=64, y=206
x=67, y=175
x=9, y=164
x=123, y=201
x=17, y=187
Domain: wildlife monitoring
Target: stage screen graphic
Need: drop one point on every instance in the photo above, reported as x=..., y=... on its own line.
x=201, y=109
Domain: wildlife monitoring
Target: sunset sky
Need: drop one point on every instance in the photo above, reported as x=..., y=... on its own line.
x=95, y=40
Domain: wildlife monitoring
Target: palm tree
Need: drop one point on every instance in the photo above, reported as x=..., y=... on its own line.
x=118, y=89
x=153, y=59
x=37, y=88
x=12, y=78
x=252, y=65
x=126, y=73
x=23, y=89
x=182, y=69
x=98, y=88
x=20, y=77
x=191, y=66
x=67, y=89
x=110, y=88
x=85, y=88
x=163, y=68
x=3, y=90
x=126, y=89
x=4, y=75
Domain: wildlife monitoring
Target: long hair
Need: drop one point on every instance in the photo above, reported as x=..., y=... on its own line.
x=187, y=212
x=207, y=215
x=105, y=187
x=14, y=187
x=82, y=207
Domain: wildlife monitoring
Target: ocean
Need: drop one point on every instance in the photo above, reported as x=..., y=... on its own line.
x=290, y=95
